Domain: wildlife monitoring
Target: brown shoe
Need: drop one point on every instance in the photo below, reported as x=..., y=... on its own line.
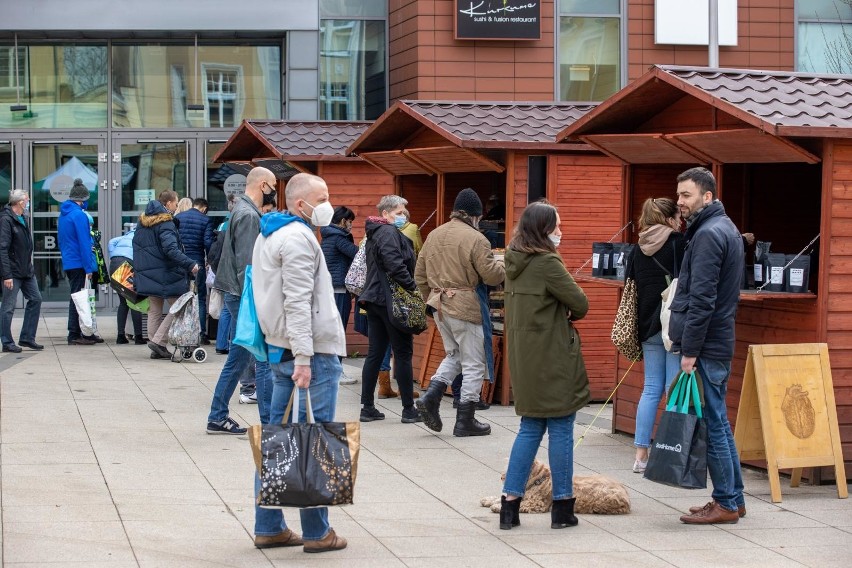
x=711, y=514
x=385, y=389
x=741, y=510
x=330, y=542
x=287, y=538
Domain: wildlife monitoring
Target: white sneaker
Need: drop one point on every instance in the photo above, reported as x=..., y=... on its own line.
x=248, y=398
x=639, y=466
x=347, y=380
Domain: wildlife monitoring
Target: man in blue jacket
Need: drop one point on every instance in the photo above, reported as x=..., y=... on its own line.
x=78, y=260
x=702, y=330
x=196, y=234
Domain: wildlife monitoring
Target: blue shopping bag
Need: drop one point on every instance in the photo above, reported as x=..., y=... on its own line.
x=249, y=335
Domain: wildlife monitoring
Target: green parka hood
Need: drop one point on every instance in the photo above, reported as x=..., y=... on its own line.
x=517, y=262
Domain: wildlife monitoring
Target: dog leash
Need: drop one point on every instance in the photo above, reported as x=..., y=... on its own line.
x=589, y=427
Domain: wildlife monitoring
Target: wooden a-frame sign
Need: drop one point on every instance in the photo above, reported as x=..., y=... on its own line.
x=787, y=414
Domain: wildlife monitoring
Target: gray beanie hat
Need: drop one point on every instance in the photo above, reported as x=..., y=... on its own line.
x=469, y=202
x=79, y=192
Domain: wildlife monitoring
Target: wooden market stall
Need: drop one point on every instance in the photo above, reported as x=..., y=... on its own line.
x=780, y=145
x=318, y=148
x=507, y=153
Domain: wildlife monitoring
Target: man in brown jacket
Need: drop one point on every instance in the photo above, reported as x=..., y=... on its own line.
x=455, y=259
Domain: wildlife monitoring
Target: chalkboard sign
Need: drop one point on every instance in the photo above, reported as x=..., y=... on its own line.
x=498, y=19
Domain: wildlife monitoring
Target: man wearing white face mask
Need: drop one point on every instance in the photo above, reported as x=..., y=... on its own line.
x=237, y=248
x=454, y=261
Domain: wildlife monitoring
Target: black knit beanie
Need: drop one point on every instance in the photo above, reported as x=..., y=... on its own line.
x=469, y=202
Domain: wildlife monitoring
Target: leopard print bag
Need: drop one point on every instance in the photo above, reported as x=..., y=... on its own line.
x=625, y=328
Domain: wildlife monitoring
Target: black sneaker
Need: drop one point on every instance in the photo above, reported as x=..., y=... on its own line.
x=369, y=413
x=94, y=338
x=11, y=348
x=204, y=339
x=139, y=340
x=410, y=415
x=80, y=341
x=122, y=340
x=159, y=350
x=227, y=426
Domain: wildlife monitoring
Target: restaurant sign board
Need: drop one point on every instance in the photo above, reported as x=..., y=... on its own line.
x=498, y=19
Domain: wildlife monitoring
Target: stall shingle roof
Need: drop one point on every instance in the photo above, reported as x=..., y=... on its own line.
x=783, y=103
x=469, y=124
x=309, y=139
x=500, y=122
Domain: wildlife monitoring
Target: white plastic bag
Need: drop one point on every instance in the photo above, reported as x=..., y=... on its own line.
x=215, y=302
x=84, y=301
x=666, y=312
x=211, y=277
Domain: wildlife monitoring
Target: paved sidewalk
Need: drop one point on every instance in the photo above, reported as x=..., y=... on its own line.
x=105, y=463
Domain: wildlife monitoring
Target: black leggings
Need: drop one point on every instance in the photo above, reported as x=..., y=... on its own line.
x=381, y=334
x=135, y=317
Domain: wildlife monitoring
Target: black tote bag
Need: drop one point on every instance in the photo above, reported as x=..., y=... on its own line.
x=679, y=451
x=304, y=465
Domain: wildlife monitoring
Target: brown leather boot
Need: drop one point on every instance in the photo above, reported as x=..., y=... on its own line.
x=385, y=389
x=711, y=514
x=286, y=538
x=741, y=510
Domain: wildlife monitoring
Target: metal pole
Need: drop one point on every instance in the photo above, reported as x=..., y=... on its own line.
x=713, y=46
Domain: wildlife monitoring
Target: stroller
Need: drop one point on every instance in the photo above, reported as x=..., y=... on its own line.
x=185, y=330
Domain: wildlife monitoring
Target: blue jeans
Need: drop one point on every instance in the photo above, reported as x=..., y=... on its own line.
x=325, y=371
x=29, y=287
x=661, y=367
x=723, y=461
x=235, y=367
x=223, y=332
x=560, y=454
x=385, y=366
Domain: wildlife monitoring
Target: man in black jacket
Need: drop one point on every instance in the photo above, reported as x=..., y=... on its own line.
x=702, y=330
x=196, y=234
x=16, y=267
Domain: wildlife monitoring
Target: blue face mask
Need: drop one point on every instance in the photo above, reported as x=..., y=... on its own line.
x=399, y=221
x=85, y=204
x=27, y=207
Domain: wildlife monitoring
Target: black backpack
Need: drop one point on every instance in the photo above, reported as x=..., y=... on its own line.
x=214, y=255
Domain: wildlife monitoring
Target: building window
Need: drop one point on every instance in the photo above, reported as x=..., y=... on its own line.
x=223, y=95
x=824, y=42
x=353, y=75
x=589, y=55
x=7, y=69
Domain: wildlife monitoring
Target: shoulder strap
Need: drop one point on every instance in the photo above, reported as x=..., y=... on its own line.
x=663, y=268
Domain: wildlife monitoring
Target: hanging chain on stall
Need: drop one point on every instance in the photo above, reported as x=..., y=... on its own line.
x=589, y=427
x=629, y=223
x=807, y=246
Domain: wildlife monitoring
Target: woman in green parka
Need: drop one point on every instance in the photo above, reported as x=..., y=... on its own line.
x=549, y=378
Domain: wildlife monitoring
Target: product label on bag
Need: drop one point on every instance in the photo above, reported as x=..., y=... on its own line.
x=777, y=275
x=758, y=273
x=797, y=276
x=596, y=259
x=606, y=262
x=661, y=446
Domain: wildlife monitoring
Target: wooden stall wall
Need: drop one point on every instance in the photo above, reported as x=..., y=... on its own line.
x=359, y=186
x=421, y=191
x=587, y=189
x=836, y=296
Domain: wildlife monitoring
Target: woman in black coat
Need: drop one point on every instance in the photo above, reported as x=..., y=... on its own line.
x=339, y=250
x=389, y=254
x=655, y=261
x=161, y=269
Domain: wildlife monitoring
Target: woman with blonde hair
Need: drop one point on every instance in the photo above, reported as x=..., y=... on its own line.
x=185, y=204
x=549, y=379
x=652, y=266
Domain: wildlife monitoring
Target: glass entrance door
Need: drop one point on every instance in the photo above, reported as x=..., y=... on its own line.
x=53, y=167
x=144, y=168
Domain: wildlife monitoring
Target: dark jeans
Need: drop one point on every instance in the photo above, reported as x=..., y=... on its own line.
x=201, y=288
x=381, y=334
x=76, y=281
x=121, y=318
x=29, y=287
x=344, y=306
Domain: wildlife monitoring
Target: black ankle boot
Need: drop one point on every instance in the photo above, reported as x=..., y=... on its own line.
x=429, y=404
x=509, y=513
x=467, y=424
x=562, y=514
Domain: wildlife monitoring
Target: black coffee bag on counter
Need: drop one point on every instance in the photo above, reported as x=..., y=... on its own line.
x=774, y=263
x=761, y=249
x=797, y=274
x=620, y=254
x=601, y=259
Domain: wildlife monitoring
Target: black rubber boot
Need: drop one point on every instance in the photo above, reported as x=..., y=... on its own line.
x=509, y=513
x=429, y=404
x=562, y=514
x=467, y=424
